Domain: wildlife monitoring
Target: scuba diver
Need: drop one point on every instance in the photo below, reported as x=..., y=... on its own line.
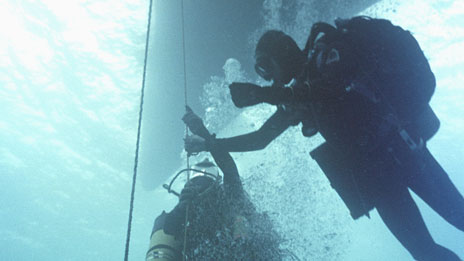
x=223, y=224
x=365, y=86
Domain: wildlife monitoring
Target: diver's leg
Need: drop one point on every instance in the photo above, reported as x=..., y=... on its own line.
x=400, y=213
x=433, y=185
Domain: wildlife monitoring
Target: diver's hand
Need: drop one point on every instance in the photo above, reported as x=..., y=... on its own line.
x=195, y=123
x=245, y=94
x=188, y=193
x=194, y=144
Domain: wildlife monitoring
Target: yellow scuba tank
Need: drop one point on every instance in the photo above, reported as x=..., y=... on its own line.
x=164, y=247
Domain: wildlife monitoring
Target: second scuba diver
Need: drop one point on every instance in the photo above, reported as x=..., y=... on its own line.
x=223, y=224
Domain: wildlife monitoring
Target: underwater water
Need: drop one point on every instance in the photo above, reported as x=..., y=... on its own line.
x=71, y=73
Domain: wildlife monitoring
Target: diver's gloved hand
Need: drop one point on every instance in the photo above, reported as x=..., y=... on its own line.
x=195, y=123
x=194, y=144
x=246, y=94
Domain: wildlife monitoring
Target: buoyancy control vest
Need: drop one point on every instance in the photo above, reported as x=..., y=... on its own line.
x=380, y=61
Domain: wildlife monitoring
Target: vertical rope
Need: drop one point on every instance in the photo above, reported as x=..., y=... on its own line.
x=136, y=160
x=185, y=78
x=184, y=249
x=186, y=130
x=183, y=51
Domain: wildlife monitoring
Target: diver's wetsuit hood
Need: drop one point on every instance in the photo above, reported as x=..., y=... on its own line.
x=278, y=56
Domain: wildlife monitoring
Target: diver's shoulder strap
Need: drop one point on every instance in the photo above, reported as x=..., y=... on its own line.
x=159, y=222
x=173, y=222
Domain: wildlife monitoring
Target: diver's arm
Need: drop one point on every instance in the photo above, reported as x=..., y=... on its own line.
x=195, y=124
x=225, y=162
x=222, y=158
x=255, y=140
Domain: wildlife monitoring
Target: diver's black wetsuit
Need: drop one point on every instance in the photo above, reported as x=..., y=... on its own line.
x=362, y=146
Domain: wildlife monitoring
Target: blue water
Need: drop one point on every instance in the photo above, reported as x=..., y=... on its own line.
x=71, y=74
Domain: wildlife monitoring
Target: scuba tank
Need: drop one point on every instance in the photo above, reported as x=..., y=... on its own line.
x=163, y=246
